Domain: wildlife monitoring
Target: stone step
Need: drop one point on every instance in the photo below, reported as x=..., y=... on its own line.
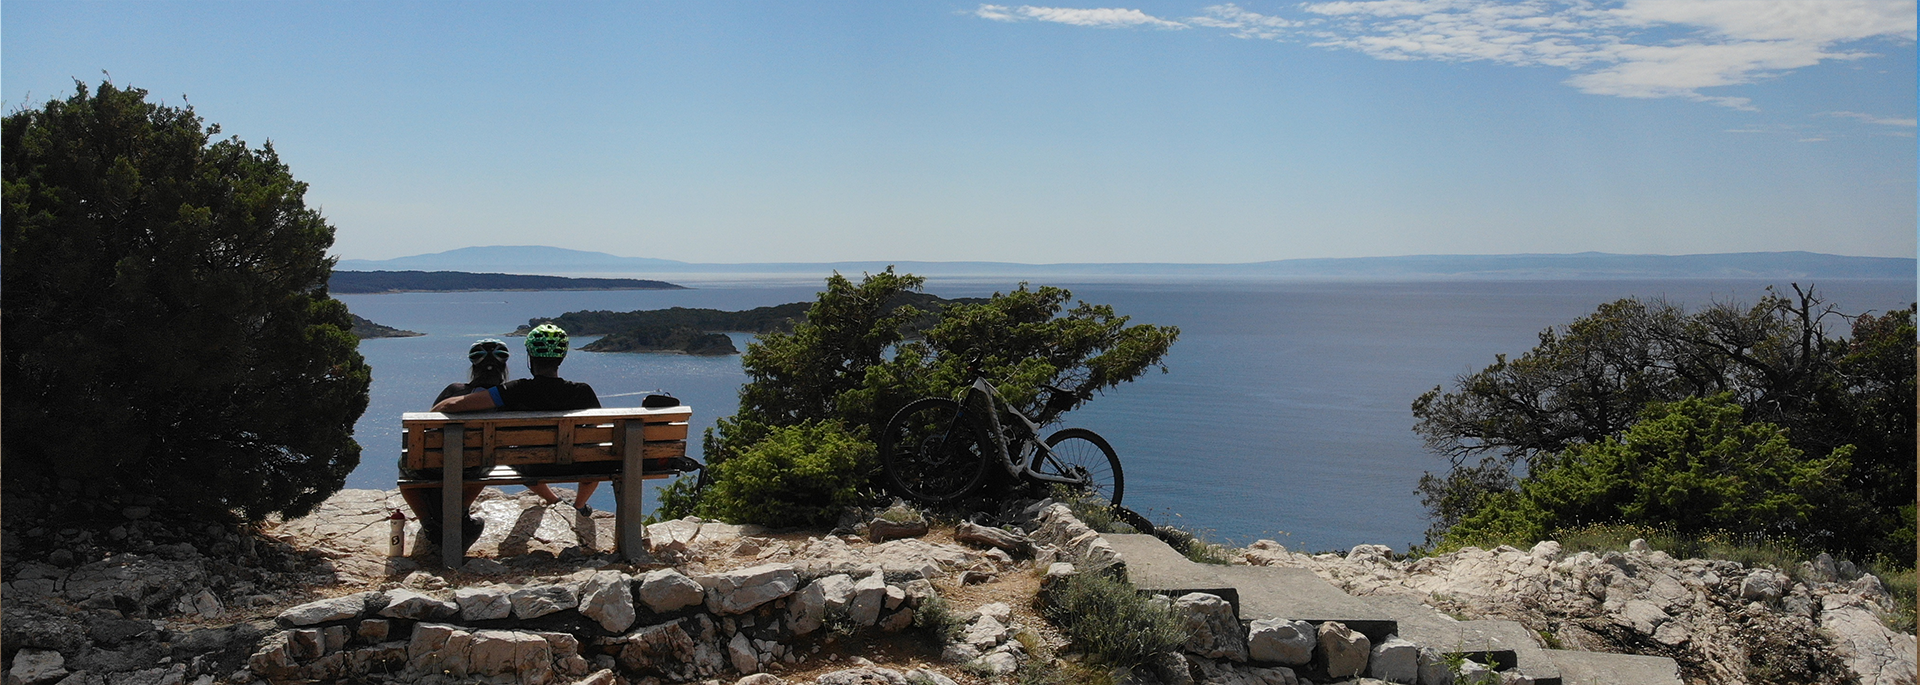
x=1502, y=645
x=1256, y=592
x=1600, y=668
x=1262, y=592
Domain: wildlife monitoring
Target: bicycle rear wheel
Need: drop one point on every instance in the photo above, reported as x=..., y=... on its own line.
x=931, y=452
x=1082, y=454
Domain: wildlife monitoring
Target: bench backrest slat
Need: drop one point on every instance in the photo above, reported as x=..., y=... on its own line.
x=514, y=438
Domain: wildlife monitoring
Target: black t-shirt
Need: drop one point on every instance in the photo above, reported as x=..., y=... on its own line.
x=459, y=389
x=546, y=393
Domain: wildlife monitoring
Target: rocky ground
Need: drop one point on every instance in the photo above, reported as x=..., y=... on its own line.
x=316, y=599
x=163, y=601
x=1723, y=622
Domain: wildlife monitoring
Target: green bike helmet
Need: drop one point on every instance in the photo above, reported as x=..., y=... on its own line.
x=547, y=341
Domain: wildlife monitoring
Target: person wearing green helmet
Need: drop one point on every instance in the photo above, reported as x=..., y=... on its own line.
x=546, y=347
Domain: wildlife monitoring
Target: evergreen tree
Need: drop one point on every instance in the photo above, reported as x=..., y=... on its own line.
x=1595, y=379
x=167, y=326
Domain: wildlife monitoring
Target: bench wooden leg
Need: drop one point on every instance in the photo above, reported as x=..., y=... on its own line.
x=629, y=533
x=453, y=495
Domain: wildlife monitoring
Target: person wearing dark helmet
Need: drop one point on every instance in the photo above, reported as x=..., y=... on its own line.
x=487, y=368
x=546, y=391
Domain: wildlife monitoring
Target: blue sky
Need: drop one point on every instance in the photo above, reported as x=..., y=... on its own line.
x=1102, y=132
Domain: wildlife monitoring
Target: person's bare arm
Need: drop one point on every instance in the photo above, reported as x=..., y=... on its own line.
x=475, y=401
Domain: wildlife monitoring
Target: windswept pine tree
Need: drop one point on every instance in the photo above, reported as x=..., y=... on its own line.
x=167, y=323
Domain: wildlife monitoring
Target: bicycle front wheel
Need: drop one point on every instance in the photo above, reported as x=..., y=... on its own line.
x=1083, y=455
x=931, y=452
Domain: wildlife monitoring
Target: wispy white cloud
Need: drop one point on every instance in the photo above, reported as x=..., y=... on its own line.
x=1624, y=48
x=1873, y=118
x=1098, y=17
x=1244, y=24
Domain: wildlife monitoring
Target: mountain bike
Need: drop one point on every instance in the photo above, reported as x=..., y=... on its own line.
x=936, y=449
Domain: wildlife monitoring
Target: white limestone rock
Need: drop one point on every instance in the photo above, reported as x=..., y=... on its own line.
x=1370, y=553
x=1212, y=629
x=897, y=621
x=334, y=609
x=740, y=591
x=1280, y=641
x=483, y=602
x=37, y=667
x=1433, y=668
x=868, y=596
x=1344, y=649
x=415, y=606
x=741, y=654
x=1764, y=585
x=1476, y=673
x=1394, y=660
x=607, y=598
x=922, y=676
x=668, y=590
x=807, y=610
x=534, y=601
x=998, y=611
x=665, y=650
x=985, y=633
x=997, y=664
x=863, y=675
x=1875, y=653
x=509, y=652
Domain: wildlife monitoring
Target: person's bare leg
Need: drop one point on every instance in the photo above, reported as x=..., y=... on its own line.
x=544, y=492
x=585, y=492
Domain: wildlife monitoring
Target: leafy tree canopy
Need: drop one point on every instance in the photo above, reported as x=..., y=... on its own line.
x=1694, y=465
x=1593, y=380
x=167, y=326
x=855, y=359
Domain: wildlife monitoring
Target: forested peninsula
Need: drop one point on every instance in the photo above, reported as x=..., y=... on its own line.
x=373, y=282
x=363, y=329
x=702, y=331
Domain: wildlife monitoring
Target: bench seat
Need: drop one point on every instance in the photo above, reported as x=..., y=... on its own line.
x=626, y=445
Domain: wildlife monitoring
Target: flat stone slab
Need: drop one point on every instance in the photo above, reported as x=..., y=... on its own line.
x=1600, y=668
x=1500, y=644
x=1256, y=592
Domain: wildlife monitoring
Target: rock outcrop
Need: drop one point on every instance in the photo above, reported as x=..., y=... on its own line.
x=1722, y=621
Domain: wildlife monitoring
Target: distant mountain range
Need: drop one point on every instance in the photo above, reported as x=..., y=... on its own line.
x=534, y=259
x=351, y=282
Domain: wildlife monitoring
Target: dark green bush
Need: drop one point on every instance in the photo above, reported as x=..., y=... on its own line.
x=1694, y=465
x=799, y=475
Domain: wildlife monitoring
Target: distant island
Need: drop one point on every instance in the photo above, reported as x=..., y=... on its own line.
x=702, y=331
x=369, y=282
x=682, y=339
x=1773, y=266
x=364, y=329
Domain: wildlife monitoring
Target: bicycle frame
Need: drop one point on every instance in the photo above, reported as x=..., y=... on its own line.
x=1027, y=441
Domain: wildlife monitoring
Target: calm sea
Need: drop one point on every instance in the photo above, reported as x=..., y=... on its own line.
x=1284, y=412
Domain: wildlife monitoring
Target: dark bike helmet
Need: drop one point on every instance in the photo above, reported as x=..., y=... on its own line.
x=488, y=360
x=547, y=341
x=488, y=348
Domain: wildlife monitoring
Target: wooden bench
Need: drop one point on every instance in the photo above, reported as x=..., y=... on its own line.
x=628, y=444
